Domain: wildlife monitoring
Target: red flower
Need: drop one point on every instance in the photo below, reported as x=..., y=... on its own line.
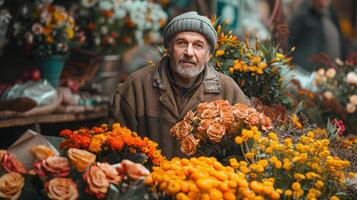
x=340, y=126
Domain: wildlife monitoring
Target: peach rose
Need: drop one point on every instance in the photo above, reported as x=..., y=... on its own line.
x=97, y=181
x=42, y=152
x=353, y=99
x=11, y=164
x=203, y=106
x=321, y=72
x=133, y=170
x=11, y=185
x=216, y=132
x=53, y=166
x=61, y=189
x=181, y=129
x=240, y=110
x=210, y=113
x=351, y=78
x=351, y=108
x=110, y=171
x=189, y=117
x=226, y=116
x=266, y=123
x=188, y=145
x=204, y=123
x=222, y=103
x=331, y=73
x=328, y=95
x=81, y=159
x=253, y=119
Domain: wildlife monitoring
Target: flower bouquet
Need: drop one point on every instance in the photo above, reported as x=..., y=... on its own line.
x=210, y=129
x=113, y=145
x=72, y=177
x=259, y=66
x=113, y=26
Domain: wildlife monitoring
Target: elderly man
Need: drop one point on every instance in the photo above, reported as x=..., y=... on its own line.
x=154, y=98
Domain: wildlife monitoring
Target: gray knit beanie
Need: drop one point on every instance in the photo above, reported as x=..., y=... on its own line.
x=190, y=21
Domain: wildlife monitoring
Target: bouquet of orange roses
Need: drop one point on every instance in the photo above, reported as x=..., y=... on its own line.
x=75, y=176
x=210, y=129
x=113, y=145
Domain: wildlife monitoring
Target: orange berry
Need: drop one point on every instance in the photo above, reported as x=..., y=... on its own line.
x=198, y=174
x=275, y=195
x=256, y=186
x=184, y=187
x=223, y=187
x=204, y=184
x=205, y=196
x=232, y=184
x=216, y=194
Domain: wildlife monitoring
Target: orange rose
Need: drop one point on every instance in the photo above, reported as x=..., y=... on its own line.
x=240, y=110
x=54, y=166
x=110, y=172
x=11, y=185
x=266, y=123
x=253, y=119
x=216, y=132
x=189, y=117
x=181, y=129
x=222, y=103
x=210, y=113
x=11, y=164
x=133, y=170
x=61, y=189
x=42, y=152
x=226, y=116
x=188, y=145
x=81, y=158
x=203, y=106
x=204, y=125
x=97, y=182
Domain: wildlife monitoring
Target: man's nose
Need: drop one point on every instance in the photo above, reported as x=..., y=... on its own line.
x=189, y=50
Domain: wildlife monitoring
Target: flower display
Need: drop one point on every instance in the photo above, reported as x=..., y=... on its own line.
x=56, y=177
x=115, y=25
x=210, y=129
x=259, y=66
x=46, y=29
x=112, y=145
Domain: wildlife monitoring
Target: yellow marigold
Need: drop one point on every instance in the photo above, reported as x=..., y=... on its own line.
x=319, y=184
x=238, y=140
x=220, y=52
x=299, y=176
x=231, y=70
x=334, y=198
x=288, y=192
x=296, y=186
x=273, y=136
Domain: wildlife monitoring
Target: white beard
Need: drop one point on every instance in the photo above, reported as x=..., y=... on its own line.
x=189, y=72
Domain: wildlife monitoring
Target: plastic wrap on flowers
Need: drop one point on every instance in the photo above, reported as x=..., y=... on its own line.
x=113, y=145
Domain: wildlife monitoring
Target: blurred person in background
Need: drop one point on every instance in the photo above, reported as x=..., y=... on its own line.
x=313, y=30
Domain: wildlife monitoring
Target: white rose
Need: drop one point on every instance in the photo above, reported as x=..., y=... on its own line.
x=353, y=99
x=350, y=108
x=329, y=95
x=351, y=78
x=321, y=72
x=330, y=73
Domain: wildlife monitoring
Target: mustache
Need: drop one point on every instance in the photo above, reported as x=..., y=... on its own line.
x=187, y=61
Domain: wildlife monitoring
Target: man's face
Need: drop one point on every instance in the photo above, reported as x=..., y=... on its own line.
x=189, y=52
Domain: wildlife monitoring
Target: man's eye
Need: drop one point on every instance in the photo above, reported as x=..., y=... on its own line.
x=181, y=43
x=199, y=46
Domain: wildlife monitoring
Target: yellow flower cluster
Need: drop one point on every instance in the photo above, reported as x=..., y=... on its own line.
x=304, y=169
x=255, y=65
x=206, y=178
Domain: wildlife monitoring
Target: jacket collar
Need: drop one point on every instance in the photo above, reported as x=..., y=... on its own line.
x=210, y=81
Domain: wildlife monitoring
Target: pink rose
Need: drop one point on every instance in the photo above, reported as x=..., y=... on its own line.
x=216, y=132
x=11, y=164
x=181, y=129
x=61, y=189
x=189, y=145
x=53, y=166
x=110, y=171
x=97, y=181
x=11, y=185
x=133, y=170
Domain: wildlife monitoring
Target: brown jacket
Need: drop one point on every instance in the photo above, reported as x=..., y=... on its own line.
x=145, y=102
